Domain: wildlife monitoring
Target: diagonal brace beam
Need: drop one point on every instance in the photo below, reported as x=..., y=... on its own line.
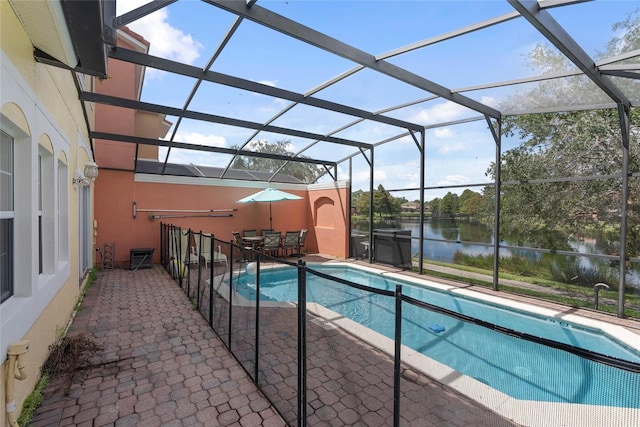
x=552, y=31
x=298, y=31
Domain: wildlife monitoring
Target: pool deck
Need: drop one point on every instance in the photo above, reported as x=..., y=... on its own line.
x=631, y=325
x=162, y=365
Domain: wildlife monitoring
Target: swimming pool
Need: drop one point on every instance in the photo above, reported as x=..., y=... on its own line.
x=519, y=368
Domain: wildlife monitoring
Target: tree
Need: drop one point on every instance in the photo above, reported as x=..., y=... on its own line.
x=383, y=202
x=471, y=203
x=450, y=204
x=434, y=206
x=547, y=205
x=305, y=172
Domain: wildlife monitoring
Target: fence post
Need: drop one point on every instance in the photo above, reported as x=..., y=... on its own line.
x=396, y=358
x=200, y=273
x=257, y=345
x=230, y=308
x=211, y=277
x=161, y=246
x=302, y=343
x=185, y=262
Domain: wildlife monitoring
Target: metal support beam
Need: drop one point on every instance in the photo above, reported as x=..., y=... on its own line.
x=624, y=116
x=212, y=118
x=422, y=179
x=140, y=12
x=196, y=147
x=232, y=81
x=552, y=31
x=300, y=32
x=496, y=132
x=371, y=172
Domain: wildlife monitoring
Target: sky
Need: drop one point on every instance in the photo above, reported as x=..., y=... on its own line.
x=189, y=31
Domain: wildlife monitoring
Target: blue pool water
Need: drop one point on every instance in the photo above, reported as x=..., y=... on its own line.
x=520, y=368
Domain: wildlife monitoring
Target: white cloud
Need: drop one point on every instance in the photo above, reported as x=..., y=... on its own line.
x=443, y=112
x=490, y=101
x=443, y=133
x=201, y=139
x=362, y=178
x=454, y=180
x=166, y=40
x=451, y=147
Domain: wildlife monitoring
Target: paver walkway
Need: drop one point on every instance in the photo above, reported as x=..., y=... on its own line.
x=162, y=365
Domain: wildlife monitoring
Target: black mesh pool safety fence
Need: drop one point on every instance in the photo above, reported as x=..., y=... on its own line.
x=293, y=335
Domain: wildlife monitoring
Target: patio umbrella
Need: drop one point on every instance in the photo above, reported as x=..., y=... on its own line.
x=269, y=195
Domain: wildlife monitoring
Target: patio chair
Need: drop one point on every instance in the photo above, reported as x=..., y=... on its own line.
x=291, y=242
x=271, y=245
x=303, y=237
x=264, y=231
x=249, y=233
x=218, y=256
x=186, y=247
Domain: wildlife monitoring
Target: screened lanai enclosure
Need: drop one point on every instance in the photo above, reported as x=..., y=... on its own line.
x=512, y=125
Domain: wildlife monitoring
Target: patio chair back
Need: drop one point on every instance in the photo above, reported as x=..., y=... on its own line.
x=218, y=256
x=303, y=236
x=291, y=242
x=249, y=233
x=189, y=255
x=271, y=243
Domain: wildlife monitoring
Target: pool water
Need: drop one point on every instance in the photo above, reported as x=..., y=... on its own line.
x=520, y=368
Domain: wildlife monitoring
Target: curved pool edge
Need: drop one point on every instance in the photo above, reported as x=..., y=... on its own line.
x=523, y=412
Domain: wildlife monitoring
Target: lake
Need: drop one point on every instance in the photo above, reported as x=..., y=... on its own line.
x=482, y=238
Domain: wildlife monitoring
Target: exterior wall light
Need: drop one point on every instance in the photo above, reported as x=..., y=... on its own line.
x=88, y=176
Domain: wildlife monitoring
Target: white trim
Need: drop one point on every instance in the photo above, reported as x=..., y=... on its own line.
x=33, y=292
x=215, y=182
x=329, y=185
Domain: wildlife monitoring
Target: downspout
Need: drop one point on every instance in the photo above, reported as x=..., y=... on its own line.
x=14, y=360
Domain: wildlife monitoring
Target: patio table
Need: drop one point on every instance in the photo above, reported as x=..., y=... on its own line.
x=254, y=241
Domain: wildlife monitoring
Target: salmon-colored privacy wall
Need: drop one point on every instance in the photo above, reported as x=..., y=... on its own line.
x=322, y=212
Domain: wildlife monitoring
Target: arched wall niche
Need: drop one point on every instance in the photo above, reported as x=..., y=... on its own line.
x=324, y=212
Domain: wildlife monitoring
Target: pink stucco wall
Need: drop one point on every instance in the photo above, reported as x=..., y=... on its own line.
x=322, y=212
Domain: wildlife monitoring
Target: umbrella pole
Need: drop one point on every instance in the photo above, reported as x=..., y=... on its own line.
x=270, y=217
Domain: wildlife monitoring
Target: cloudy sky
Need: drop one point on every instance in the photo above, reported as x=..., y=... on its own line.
x=190, y=31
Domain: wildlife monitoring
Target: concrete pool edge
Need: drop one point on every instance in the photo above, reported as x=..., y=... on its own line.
x=523, y=412
x=616, y=331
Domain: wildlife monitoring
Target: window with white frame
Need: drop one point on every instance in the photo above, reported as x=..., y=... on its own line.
x=7, y=215
x=40, y=239
x=63, y=211
x=46, y=211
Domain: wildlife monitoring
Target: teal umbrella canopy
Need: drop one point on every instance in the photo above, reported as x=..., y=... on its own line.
x=269, y=195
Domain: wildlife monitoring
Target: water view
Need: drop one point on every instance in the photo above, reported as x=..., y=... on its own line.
x=477, y=239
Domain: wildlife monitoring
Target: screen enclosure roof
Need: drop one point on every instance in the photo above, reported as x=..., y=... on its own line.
x=332, y=80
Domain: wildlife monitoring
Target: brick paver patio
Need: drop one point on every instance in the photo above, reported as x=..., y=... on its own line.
x=162, y=365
